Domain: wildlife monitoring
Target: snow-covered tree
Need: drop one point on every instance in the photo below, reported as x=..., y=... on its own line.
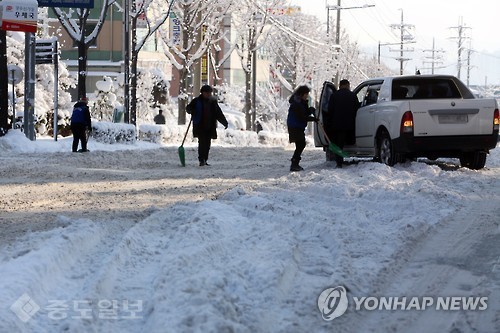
x=44, y=89
x=105, y=100
x=299, y=52
x=3, y=84
x=151, y=14
x=250, y=20
x=77, y=30
x=200, y=21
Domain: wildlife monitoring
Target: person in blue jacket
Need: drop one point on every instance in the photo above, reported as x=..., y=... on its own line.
x=205, y=112
x=299, y=113
x=80, y=123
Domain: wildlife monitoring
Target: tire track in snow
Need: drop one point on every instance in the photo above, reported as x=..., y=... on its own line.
x=455, y=259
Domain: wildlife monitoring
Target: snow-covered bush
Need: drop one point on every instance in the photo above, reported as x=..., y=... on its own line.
x=237, y=137
x=163, y=134
x=273, y=138
x=106, y=132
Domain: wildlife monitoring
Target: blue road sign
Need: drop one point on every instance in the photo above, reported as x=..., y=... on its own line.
x=66, y=3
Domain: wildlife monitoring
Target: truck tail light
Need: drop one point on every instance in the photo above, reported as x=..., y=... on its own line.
x=407, y=123
x=496, y=120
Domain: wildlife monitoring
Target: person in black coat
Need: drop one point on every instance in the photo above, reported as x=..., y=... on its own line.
x=205, y=112
x=159, y=119
x=342, y=109
x=299, y=113
x=80, y=123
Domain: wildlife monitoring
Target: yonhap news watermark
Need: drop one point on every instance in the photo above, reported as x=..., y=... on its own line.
x=334, y=302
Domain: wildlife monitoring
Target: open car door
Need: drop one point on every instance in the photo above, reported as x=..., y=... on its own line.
x=321, y=112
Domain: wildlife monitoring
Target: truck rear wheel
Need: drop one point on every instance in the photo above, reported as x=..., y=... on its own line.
x=386, y=153
x=473, y=160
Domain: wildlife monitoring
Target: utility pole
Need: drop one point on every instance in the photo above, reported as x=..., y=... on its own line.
x=130, y=119
x=405, y=36
x=469, y=67
x=338, y=8
x=4, y=94
x=461, y=29
x=29, y=85
x=385, y=44
x=435, y=57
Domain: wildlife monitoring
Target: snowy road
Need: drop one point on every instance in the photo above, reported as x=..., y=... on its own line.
x=460, y=258
x=129, y=241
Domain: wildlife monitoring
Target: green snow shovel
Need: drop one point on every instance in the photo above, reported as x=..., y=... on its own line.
x=332, y=146
x=182, y=153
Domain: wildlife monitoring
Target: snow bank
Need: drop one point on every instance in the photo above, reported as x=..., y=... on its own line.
x=162, y=134
x=253, y=260
x=15, y=141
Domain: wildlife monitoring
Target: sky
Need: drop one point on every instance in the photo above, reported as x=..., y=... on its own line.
x=432, y=20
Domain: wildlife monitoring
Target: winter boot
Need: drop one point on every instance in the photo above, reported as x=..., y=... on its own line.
x=295, y=165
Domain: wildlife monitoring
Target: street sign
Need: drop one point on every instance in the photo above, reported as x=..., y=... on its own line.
x=45, y=51
x=175, y=30
x=19, y=15
x=15, y=74
x=66, y=3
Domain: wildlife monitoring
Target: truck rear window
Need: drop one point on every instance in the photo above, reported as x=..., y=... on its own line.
x=424, y=89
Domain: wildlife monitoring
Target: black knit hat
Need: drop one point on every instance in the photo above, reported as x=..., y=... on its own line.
x=301, y=90
x=206, y=88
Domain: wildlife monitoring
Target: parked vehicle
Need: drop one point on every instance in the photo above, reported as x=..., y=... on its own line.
x=419, y=116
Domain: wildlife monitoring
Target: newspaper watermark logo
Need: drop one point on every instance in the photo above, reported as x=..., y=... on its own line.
x=25, y=307
x=332, y=302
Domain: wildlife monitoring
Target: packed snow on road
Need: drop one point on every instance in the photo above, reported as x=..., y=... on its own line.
x=124, y=239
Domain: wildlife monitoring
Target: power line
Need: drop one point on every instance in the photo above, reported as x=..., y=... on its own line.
x=383, y=19
x=362, y=27
x=338, y=8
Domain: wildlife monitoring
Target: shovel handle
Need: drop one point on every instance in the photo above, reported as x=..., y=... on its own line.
x=331, y=145
x=320, y=125
x=185, y=135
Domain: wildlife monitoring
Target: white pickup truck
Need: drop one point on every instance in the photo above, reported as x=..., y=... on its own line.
x=418, y=116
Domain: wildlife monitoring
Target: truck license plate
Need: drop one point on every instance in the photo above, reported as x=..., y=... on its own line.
x=453, y=119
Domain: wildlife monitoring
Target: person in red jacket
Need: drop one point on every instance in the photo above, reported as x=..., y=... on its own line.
x=80, y=123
